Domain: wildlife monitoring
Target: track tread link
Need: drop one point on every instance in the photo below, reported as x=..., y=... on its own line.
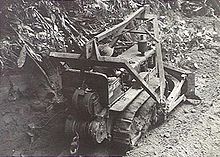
x=123, y=123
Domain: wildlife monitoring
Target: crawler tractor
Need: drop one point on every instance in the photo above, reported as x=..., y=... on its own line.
x=115, y=96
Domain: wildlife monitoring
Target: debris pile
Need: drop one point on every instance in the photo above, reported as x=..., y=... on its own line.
x=38, y=28
x=35, y=28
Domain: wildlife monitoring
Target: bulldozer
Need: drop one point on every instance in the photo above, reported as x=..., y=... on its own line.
x=107, y=92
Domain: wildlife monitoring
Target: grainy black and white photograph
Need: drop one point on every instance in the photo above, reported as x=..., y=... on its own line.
x=103, y=78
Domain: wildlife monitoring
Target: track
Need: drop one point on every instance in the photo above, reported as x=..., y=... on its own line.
x=127, y=127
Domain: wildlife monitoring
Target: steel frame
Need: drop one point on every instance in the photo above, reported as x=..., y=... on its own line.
x=92, y=57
